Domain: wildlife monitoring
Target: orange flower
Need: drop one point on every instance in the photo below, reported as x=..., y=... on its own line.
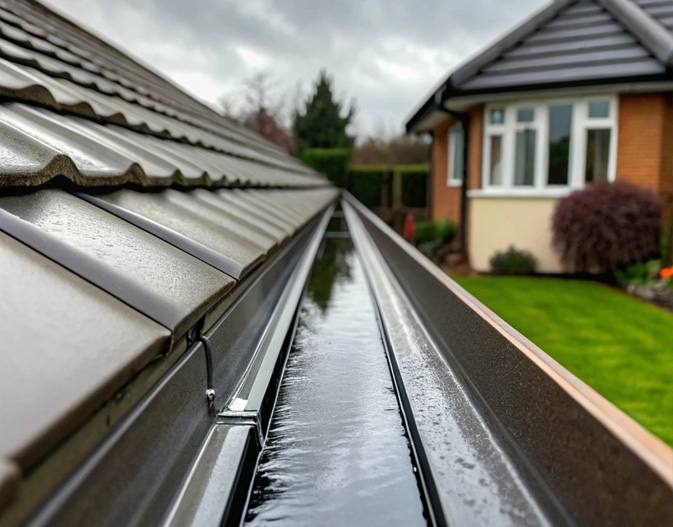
x=666, y=272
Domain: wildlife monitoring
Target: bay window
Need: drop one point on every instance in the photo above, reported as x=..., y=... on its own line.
x=537, y=147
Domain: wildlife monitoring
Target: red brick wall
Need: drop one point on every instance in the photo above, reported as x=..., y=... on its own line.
x=666, y=180
x=445, y=200
x=645, y=142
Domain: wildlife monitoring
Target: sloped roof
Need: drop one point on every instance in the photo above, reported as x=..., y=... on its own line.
x=570, y=43
x=140, y=127
x=107, y=271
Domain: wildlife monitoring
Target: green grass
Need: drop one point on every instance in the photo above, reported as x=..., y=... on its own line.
x=620, y=346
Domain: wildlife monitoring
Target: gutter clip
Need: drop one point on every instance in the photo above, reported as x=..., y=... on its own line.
x=196, y=335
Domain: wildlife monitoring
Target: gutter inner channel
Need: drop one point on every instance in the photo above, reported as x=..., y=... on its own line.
x=337, y=452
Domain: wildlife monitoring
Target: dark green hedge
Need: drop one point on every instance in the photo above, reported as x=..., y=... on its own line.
x=415, y=188
x=333, y=162
x=366, y=185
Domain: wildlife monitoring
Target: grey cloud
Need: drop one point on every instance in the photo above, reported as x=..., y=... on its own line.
x=387, y=54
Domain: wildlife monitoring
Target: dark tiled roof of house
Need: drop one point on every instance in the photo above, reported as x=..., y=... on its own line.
x=570, y=43
x=101, y=285
x=584, y=42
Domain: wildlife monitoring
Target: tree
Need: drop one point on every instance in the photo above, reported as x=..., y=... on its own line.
x=266, y=126
x=260, y=108
x=321, y=124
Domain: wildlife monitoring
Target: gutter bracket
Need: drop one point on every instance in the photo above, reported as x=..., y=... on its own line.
x=251, y=418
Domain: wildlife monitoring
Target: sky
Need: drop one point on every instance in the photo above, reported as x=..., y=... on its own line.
x=387, y=55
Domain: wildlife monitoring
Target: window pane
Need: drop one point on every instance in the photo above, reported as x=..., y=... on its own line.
x=496, y=160
x=457, y=166
x=598, y=149
x=524, y=164
x=599, y=109
x=525, y=115
x=497, y=116
x=560, y=121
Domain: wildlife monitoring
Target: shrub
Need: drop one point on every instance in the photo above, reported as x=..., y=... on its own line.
x=641, y=273
x=606, y=226
x=513, y=261
x=333, y=162
x=440, y=232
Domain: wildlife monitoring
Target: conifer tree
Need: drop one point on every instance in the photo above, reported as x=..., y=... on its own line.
x=321, y=124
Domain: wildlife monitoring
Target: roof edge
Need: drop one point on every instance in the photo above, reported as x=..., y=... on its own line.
x=648, y=30
x=472, y=66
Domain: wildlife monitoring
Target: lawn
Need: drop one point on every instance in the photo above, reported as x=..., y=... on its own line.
x=620, y=346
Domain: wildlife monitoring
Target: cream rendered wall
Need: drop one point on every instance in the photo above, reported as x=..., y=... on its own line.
x=496, y=223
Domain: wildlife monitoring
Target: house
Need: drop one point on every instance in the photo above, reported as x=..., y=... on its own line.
x=582, y=91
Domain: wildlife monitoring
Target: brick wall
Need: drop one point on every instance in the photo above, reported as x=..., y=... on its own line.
x=445, y=200
x=643, y=153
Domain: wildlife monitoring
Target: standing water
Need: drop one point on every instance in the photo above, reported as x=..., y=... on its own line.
x=337, y=451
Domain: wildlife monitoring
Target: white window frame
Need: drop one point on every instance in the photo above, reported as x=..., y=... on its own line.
x=454, y=180
x=577, y=154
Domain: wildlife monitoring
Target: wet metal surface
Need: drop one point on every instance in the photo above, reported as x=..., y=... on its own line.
x=477, y=482
x=337, y=453
x=571, y=454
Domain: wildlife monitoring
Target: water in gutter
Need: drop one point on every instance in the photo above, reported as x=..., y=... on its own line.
x=337, y=452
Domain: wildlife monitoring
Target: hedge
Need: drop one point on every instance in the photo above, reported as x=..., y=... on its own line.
x=415, y=187
x=333, y=162
x=366, y=184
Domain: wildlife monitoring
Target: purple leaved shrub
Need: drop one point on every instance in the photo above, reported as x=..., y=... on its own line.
x=606, y=226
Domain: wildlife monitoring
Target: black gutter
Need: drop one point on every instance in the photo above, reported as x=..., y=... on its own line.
x=464, y=119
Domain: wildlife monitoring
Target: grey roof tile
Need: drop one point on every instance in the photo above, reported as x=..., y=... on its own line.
x=70, y=350
x=248, y=217
x=164, y=283
x=222, y=248
x=223, y=219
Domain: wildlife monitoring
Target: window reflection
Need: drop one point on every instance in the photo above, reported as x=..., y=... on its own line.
x=598, y=149
x=496, y=160
x=560, y=124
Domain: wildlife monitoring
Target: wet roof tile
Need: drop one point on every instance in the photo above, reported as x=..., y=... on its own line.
x=222, y=248
x=166, y=284
x=248, y=216
x=69, y=351
x=223, y=219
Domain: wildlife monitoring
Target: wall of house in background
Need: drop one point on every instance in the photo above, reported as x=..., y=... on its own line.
x=525, y=223
x=645, y=144
x=445, y=199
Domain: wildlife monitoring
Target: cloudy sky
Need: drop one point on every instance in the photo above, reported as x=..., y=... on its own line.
x=385, y=54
